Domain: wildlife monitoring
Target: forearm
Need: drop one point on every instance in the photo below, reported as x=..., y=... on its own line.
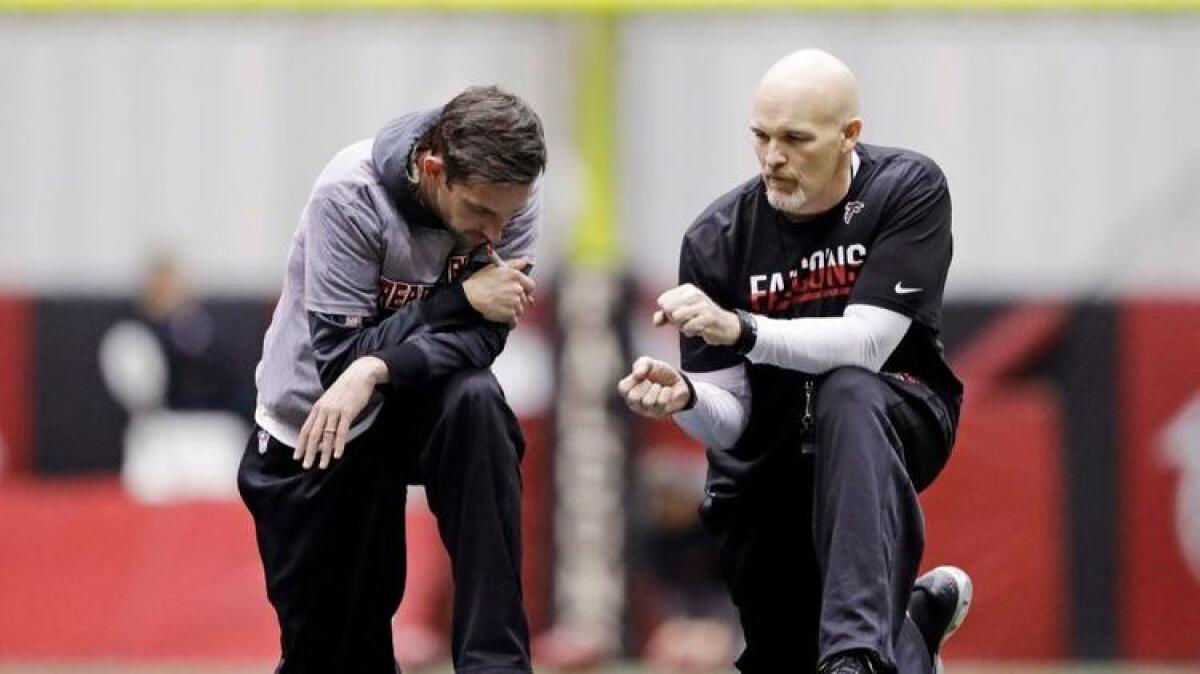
x=865, y=336
x=432, y=355
x=721, y=407
x=338, y=340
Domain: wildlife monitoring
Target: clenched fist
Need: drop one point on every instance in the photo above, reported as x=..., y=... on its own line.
x=654, y=389
x=695, y=315
x=500, y=293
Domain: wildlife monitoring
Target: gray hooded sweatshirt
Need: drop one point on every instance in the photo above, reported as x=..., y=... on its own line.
x=372, y=271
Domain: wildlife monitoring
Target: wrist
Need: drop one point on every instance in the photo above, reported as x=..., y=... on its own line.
x=468, y=295
x=691, y=393
x=747, y=332
x=732, y=330
x=451, y=302
x=372, y=369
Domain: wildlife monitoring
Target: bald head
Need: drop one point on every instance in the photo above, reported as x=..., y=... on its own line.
x=805, y=123
x=814, y=82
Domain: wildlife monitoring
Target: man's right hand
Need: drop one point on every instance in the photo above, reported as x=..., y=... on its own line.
x=654, y=389
x=501, y=294
x=325, y=432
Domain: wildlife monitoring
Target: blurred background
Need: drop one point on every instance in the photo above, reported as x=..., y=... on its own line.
x=154, y=159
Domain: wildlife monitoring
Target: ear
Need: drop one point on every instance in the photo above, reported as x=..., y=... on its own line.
x=432, y=166
x=850, y=133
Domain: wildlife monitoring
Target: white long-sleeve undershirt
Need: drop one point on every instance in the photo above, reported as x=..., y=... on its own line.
x=864, y=336
x=722, y=407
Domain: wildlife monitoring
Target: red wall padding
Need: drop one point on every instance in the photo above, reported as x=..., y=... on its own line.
x=1160, y=373
x=16, y=402
x=85, y=572
x=997, y=511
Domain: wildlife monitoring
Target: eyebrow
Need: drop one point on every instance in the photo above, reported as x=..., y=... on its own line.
x=479, y=207
x=755, y=128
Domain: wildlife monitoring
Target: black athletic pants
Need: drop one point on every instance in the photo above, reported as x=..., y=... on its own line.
x=820, y=551
x=332, y=541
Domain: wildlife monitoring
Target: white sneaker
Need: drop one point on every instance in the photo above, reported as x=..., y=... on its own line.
x=947, y=594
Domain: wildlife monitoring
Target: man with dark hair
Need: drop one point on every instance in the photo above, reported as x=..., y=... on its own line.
x=809, y=309
x=375, y=375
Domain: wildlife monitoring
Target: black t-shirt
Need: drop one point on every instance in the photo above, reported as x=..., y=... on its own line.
x=887, y=244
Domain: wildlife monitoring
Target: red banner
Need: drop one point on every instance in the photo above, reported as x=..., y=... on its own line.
x=1159, y=586
x=16, y=404
x=997, y=511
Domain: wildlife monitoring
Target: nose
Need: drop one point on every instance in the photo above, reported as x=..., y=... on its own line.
x=491, y=231
x=774, y=158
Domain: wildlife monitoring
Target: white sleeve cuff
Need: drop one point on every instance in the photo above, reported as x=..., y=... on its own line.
x=722, y=407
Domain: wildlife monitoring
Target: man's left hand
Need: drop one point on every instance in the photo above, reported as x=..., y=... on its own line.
x=695, y=315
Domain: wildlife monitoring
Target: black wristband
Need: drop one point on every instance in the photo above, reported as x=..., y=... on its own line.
x=748, y=335
x=691, y=402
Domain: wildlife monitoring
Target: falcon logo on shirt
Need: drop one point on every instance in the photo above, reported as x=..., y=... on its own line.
x=852, y=209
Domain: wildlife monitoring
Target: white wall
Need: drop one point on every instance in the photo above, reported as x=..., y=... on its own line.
x=201, y=134
x=1070, y=140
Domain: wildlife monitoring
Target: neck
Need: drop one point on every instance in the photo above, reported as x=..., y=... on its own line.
x=838, y=189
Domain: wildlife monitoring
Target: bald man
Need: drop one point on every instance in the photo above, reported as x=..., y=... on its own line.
x=809, y=309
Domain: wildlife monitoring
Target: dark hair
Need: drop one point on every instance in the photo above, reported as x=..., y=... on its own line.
x=488, y=135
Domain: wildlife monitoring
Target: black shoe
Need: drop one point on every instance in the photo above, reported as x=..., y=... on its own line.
x=938, y=605
x=850, y=662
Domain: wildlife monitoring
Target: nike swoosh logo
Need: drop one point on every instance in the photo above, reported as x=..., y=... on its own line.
x=901, y=290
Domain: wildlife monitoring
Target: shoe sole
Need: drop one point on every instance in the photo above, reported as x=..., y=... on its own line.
x=965, y=589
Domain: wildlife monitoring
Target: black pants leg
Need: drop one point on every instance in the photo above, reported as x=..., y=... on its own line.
x=878, y=440
x=332, y=546
x=820, y=551
x=332, y=541
x=471, y=469
x=768, y=564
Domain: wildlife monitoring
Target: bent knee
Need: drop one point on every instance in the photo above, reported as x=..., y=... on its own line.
x=850, y=390
x=471, y=386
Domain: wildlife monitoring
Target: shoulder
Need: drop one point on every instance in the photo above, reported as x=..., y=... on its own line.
x=350, y=167
x=348, y=183
x=347, y=174
x=347, y=200
x=894, y=167
x=720, y=223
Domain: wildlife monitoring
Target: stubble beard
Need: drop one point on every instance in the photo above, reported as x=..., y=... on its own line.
x=468, y=240
x=789, y=203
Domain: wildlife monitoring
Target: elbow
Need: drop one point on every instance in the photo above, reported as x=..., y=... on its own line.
x=327, y=374
x=334, y=347
x=875, y=355
x=726, y=440
x=874, y=362
x=876, y=349
x=494, y=339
